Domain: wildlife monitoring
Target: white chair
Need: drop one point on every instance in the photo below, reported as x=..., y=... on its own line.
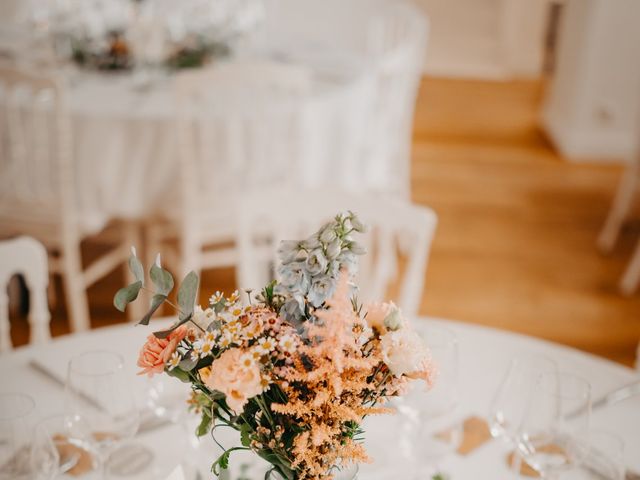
x=270, y=216
x=27, y=257
x=37, y=184
x=392, y=37
x=618, y=214
x=222, y=156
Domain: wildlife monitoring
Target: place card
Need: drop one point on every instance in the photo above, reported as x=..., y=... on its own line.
x=474, y=432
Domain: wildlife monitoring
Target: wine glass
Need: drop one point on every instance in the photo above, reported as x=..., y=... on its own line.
x=97, y=390
x=508, y=406
x=604, y=459
x=439, y=432
x=16, y=415
x=62, y=444
x=553, y=436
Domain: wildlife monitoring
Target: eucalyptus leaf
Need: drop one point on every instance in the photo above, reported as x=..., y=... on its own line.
x=214, y=325
x=179, y=374
x=156, y=301
x=136, y=267
x=187, y=294
x=165, y=333
x=126, y=295
x=162, y=279
x=219, y=306
x=188, y=363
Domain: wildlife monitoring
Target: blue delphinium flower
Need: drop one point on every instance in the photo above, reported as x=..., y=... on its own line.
x=294, y=277
x=316, y=262
x=310, y=268
x=322, y=287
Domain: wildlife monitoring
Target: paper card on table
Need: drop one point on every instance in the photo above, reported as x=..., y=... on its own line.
x=475, y=433
x=527, y=470
x=66, y=449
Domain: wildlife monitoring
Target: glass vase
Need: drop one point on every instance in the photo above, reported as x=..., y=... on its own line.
x=347, y=473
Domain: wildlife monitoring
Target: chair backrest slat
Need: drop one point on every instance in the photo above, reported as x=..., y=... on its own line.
x=395, y=226
x=27, y=257
x=35, y=161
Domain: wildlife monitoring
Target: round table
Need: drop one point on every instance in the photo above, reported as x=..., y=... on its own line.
x=125, y=158
x=484, y=356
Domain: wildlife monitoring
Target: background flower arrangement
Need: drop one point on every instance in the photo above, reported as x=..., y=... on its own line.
x=123, y=34
x=295, y=370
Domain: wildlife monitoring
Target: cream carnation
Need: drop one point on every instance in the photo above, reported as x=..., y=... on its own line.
x=404, y=352
x=239, y=382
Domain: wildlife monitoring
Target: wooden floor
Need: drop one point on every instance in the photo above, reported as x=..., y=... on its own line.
x=515, y=247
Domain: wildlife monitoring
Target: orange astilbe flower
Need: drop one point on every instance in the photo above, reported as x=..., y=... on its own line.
x=327, y=387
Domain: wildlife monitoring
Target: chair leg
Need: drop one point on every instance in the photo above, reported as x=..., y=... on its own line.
x=5, y=327
x=190, y=254
x=39, y=316
x=631, y=277
x=620, y=208
x=75, y=290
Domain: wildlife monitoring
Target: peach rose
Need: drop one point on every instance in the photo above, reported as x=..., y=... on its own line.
x=157, y=351
x=238, y=383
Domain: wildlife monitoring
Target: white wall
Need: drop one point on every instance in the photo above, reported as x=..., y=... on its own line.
x=488, y=39
x=592, y=103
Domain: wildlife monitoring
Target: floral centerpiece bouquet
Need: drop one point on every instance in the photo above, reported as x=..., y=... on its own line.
x=124, y=34
x=297, y=368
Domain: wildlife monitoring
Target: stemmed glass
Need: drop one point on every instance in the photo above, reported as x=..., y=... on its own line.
x=439, y=431
x=61, y=444
x=16, y=414
x=553, y=434
x=510, y=402
x=97, y=390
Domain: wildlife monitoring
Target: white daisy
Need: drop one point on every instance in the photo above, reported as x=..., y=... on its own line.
x=247, y=361
x=266, y=345
x=174, y=361
x=287, y=343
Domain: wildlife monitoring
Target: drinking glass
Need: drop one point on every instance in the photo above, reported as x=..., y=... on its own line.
x=439, y=432
x=510, y=402
x=16, y=415
x=98, y=391
x=553, y=435
x=604, y=460
x=62, y=444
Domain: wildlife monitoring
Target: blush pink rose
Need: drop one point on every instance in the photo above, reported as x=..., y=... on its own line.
x=157, y=351
x=237, y=382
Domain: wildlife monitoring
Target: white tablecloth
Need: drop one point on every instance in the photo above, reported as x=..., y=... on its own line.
x=125, y=160
x=484, y=355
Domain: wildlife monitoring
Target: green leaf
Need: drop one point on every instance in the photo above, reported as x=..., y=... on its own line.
x=219, y=306
x=126, y=295
x=188, y=363
x=136, y=267
x=179, y=374
x=204, y=426
x=222, y=463
x=165, y=333
x=156, y=301
x=245, y=434
x=161, y=279
x=187, y=294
